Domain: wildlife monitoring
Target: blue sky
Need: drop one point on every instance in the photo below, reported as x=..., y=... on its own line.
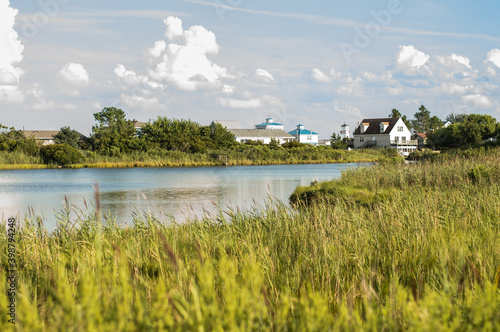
x=317, y=63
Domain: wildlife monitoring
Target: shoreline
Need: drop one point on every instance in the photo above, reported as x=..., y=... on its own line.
x=159, y=164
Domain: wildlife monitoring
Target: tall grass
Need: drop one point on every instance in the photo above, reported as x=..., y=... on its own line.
x=426, y=258
x=245, y=155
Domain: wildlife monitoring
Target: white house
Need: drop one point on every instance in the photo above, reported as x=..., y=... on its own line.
x=386, y=133
x=269, y=124
x=304, y=136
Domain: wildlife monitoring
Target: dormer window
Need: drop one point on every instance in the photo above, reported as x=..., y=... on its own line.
x=364, y=127
x=384, y=126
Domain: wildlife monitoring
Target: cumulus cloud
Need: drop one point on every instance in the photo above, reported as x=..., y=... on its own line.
x=185, y=63
x=320, y=76
x=11, y=54
x=493, y=56
x=477, y=100
x=228, y=89
x=264, y=75
x=461, y=59
x=74, y=74
x=410, y=57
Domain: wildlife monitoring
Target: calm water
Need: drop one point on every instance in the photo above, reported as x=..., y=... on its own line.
x=162, y=191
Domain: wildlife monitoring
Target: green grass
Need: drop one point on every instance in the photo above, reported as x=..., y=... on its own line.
x=245, y=155
x=426, y=257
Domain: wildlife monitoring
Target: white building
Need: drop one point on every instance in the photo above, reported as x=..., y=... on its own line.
x=386, y=133
x=345, y=132
x=263, y=135
x=269, y=124
x=304, y=136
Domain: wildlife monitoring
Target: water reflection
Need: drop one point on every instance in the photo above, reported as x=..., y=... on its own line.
x=162, y=191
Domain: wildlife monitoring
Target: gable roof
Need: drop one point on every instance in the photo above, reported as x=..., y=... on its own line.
x=43, y=134
x=374, y=126
x=40, y=134
x=260, y=133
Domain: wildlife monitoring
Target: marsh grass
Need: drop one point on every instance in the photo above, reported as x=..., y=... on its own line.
x=259, y=155
x=425, y=258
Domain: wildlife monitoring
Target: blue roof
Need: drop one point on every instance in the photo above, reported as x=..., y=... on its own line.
x=270, y=124
x=302, y=132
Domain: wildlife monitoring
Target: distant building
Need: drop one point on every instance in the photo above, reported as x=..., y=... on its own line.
x=421, y=139
x=269, y=124
x=345, y=132
x=263, y=135
x=304, y=136
x=324, y=142
x=45, y=137
x=384, y=133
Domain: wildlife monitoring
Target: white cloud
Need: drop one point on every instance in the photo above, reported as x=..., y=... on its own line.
x=158, y=48
x=228, y=89
x=74, y=74
x=461, y=59
x=10, y=55
x=264, y=75
x=269, y=103
x=453, y=88
x=253, y=103
x=129, y=77
x=394, y=91
x=184, y=63
x=410, y=57
x=320, y=76
x=493, y=56
x=140, y=102
x=477, y=100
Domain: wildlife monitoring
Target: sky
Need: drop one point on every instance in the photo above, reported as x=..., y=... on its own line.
x=316, y=63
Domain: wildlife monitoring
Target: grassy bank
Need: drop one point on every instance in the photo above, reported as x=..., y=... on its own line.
x=246, y=155
x=427, y=257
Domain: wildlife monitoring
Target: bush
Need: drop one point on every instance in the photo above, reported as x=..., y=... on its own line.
x=61, y=153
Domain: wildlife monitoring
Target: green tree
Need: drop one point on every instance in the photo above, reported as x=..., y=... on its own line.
x=113, y=133
x=61, y=153
x=68, y=136
x=14, y=140
x=435, y=123
x=422, y=120
x=456, y=118
x=395, y=113
x=337, y=142
x=472, y=131
x=221, y=138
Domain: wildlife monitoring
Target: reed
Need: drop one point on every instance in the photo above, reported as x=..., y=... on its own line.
x=426, y=257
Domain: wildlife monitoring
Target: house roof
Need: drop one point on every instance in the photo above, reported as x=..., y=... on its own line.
x=40, y=134
x=138, y=124
x=374, y=126
x=259, y=133
x=228, y=124
x=43, y=134
x=422, y=135
x=302, y=132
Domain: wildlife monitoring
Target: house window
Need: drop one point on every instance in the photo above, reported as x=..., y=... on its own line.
x=400, y=128
x=361, y=139
x=309, y=138
x=396, y=138
x=403, y=139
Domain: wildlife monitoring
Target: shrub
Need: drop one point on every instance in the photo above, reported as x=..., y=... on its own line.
x=61, y=153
